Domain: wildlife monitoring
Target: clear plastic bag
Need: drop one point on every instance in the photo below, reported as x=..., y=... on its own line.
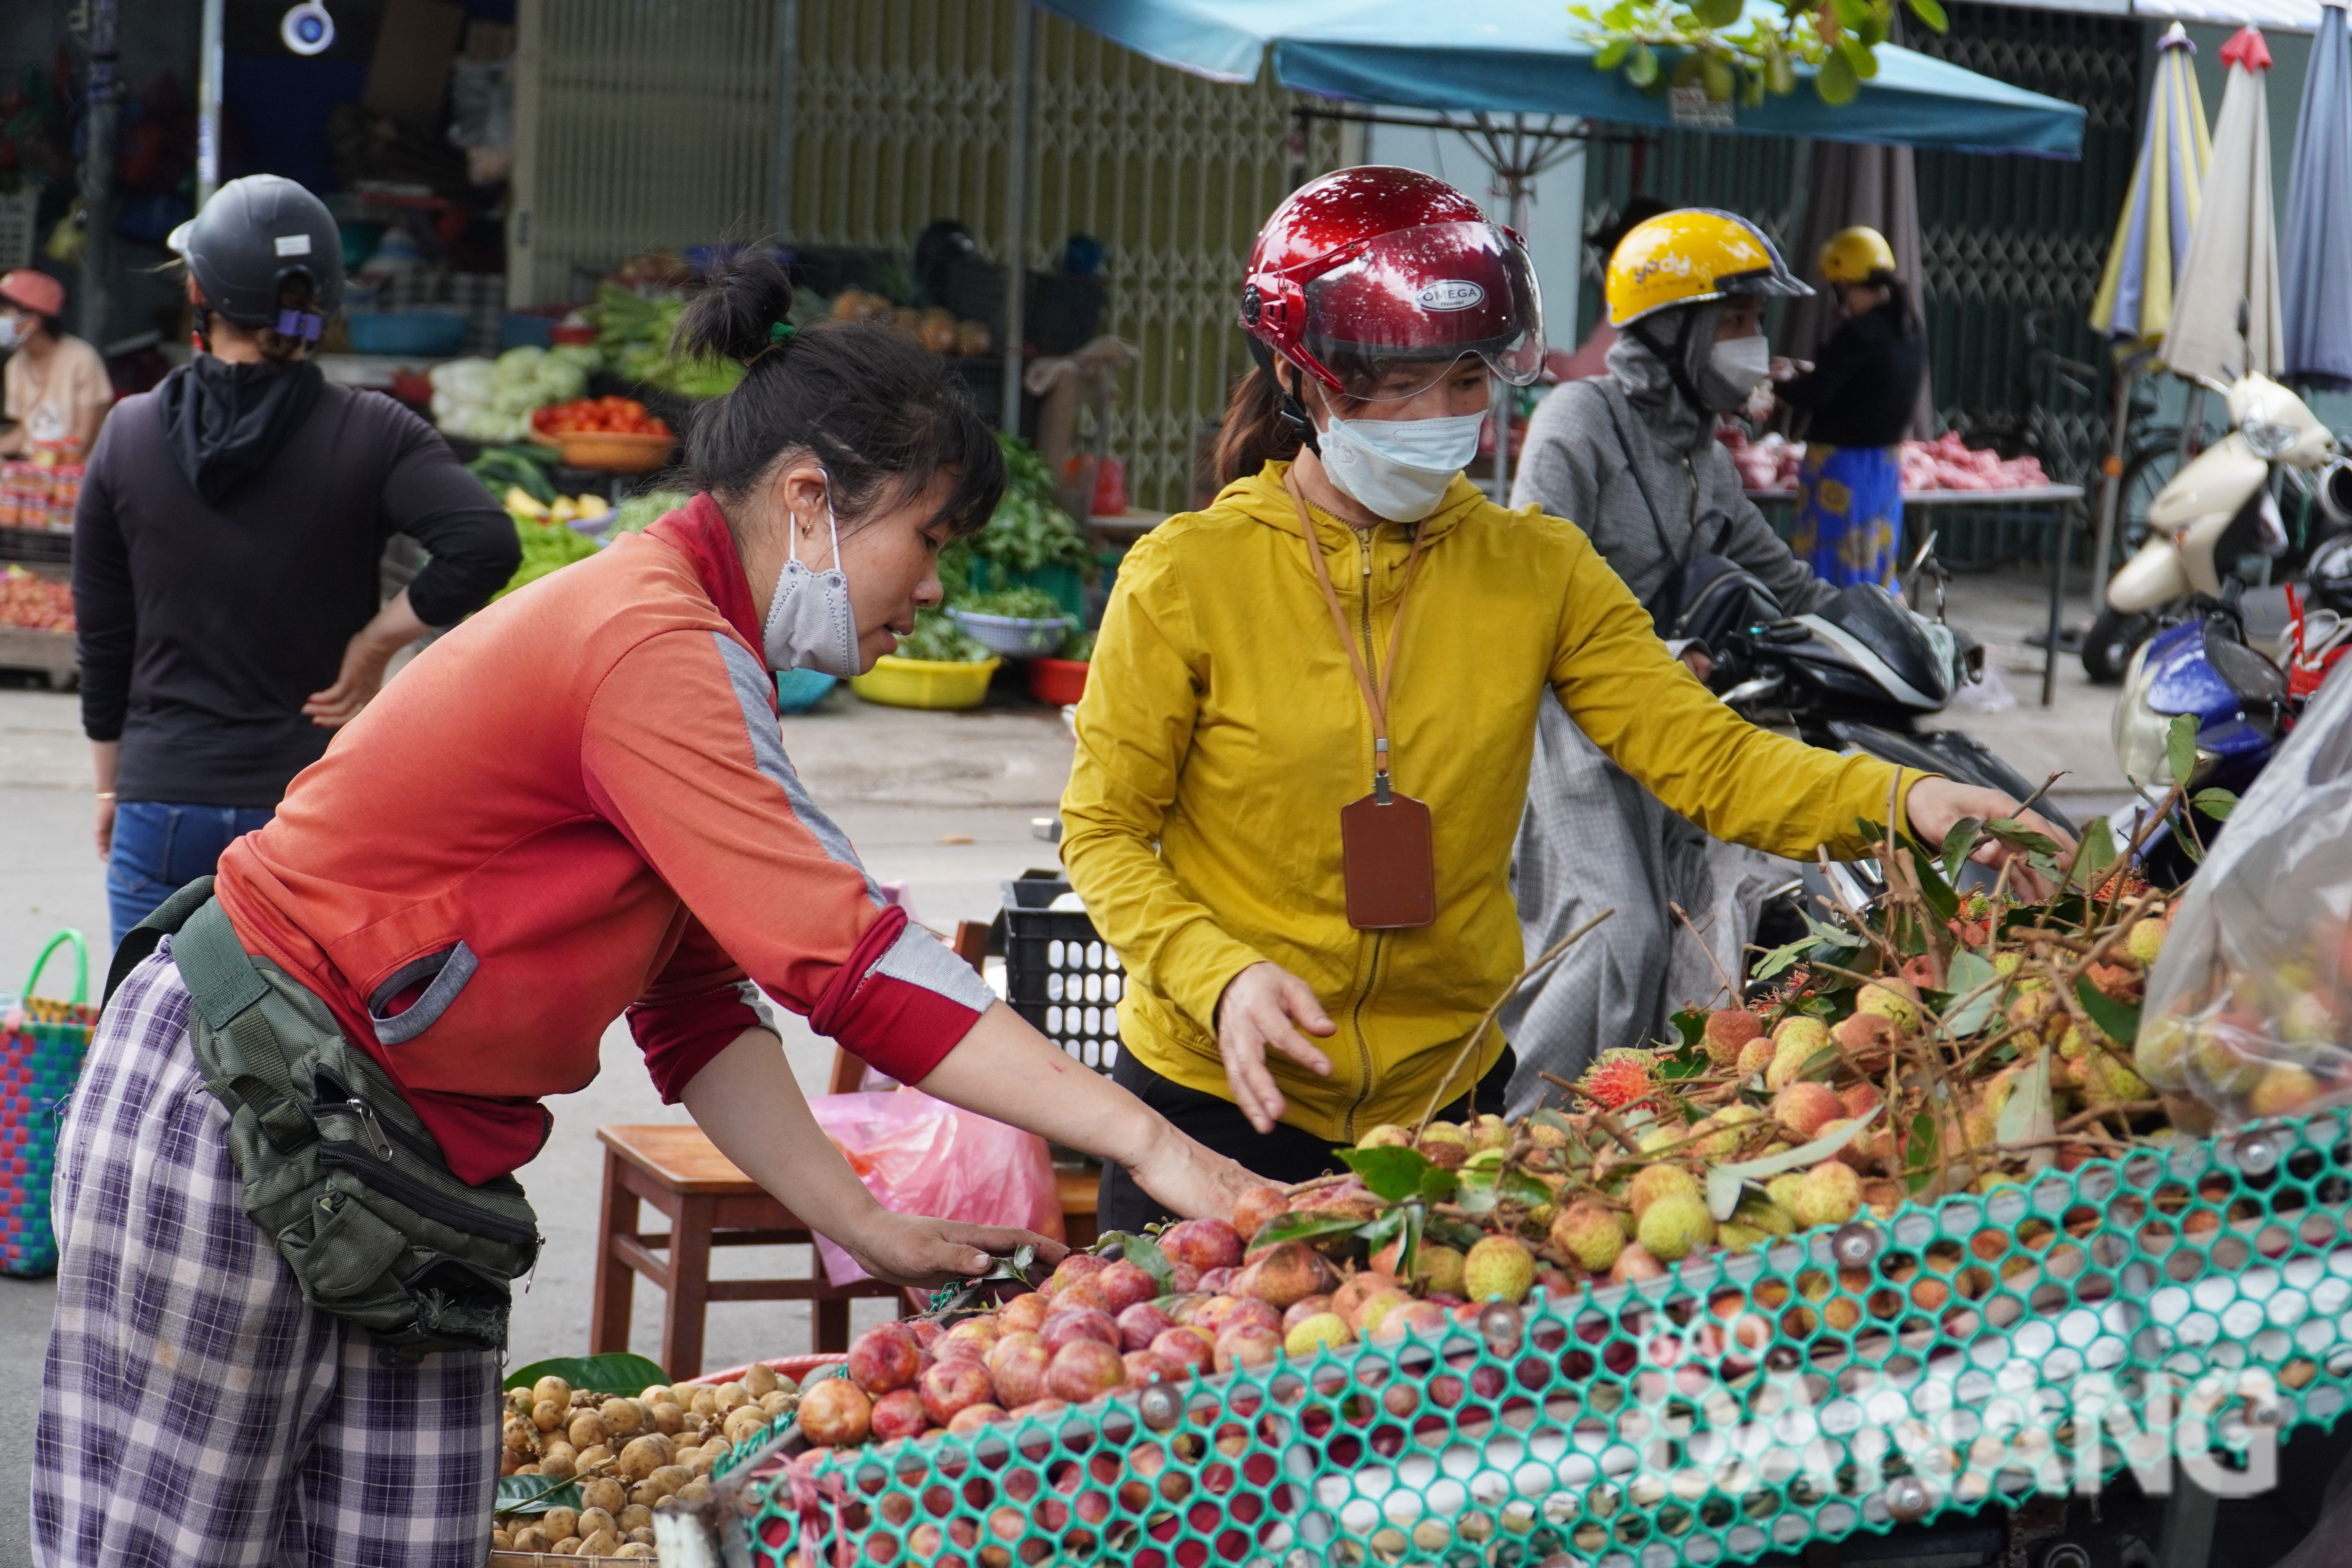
x=920, y=1156
x=2248, y=1008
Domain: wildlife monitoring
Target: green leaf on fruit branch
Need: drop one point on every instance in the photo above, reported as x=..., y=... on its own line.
x=2217, y=803
x=2180, y=747
x=1970, y=972
x=1957, y=845
x=1145, y=1254
x=1393, y=1173
x=2119, y=1020
x=1304, y=1224
x=1920, y=1161
x=1724, y=1182
x=530, y=1495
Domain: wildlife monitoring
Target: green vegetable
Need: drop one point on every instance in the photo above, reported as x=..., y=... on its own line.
x=546, y=547
x=634, y=333
x=939, y=640
x=1029, y=530
x=500, y=467
x=1015, y=604
x=1079, y=645
x=642, y=509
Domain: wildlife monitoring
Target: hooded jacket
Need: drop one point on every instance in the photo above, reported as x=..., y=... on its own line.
x=1222, y=730
x=1651, y=488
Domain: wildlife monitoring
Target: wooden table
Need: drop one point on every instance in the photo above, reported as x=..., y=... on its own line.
x=710, y=1202
x=676, y=1168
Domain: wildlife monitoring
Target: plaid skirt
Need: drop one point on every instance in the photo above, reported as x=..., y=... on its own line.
x=195, y=1410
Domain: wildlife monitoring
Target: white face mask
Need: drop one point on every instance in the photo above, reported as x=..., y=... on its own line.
x=1398, y=468
x=15, y=330
x=810, y=622
x=1739, y=363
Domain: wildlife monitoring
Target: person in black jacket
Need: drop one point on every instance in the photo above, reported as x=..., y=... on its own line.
x=1859, y=396
x=225, y=552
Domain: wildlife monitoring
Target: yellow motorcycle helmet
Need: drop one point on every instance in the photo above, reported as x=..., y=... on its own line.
x=1690, y=256
x=1855, y=254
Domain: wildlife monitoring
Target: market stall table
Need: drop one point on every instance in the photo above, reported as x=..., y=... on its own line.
x=2059, y=502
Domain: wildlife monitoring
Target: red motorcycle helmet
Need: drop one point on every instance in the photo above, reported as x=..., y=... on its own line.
x=1376, y=280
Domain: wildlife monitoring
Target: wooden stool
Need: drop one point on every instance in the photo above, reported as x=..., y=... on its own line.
x=710, y=1204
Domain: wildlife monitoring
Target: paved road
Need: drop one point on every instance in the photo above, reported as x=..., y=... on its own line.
x=909, y=788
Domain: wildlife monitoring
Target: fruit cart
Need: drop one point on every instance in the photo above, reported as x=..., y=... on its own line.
x=2195, y=1299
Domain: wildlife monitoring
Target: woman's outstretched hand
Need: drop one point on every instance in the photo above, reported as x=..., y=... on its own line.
x=1935, y=805
x=1264, y=1006
x=918, y=1250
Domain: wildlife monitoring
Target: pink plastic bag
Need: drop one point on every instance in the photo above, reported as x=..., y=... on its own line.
x=920, y=1156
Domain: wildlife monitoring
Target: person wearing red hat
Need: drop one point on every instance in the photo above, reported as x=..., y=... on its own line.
x=1303, y=752
x=55, y=391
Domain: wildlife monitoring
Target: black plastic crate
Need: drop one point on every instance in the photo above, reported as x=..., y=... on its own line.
x=1060, y=975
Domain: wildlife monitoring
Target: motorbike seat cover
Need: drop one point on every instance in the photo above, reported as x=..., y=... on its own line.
x=1870, y=614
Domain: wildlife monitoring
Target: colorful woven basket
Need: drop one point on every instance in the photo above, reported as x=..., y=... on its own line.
x=42, y=1042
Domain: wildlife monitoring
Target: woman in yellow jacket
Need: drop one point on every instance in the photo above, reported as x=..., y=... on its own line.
x=1289, y=833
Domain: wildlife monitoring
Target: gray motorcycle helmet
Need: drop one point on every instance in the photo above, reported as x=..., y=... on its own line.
x=255, y=233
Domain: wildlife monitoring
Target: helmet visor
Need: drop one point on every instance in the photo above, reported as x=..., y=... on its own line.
x=1394, y=317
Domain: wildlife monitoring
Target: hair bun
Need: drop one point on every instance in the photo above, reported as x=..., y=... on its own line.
x=742, y=299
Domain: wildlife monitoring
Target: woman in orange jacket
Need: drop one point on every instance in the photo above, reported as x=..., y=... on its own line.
x=574, y=806
x=1303, y=747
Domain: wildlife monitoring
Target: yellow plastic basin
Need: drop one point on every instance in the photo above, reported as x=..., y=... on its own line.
x=924, y=683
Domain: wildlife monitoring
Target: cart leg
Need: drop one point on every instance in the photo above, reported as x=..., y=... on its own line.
x=2188, y=1525
x=832, y=1324
x=2057, y=599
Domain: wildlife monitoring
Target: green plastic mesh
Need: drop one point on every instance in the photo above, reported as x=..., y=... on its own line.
x=2186, y=1298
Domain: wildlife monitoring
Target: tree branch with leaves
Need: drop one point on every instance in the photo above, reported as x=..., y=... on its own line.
x=1737, y=54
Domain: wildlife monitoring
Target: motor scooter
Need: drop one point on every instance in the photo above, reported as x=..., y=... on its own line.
x=2220, y=511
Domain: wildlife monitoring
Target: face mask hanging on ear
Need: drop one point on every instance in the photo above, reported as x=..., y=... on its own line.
x=810, y=622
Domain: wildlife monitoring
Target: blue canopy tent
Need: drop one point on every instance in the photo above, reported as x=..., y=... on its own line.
x=1525, y=57
x=1518, y=79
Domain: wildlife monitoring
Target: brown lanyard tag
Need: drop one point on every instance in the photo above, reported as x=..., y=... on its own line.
x=1387, y=853
x=1389, y=862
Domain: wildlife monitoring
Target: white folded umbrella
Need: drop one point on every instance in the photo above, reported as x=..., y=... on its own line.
x=2231, y=273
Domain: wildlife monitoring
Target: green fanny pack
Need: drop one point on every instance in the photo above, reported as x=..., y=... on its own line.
x=338, y=1170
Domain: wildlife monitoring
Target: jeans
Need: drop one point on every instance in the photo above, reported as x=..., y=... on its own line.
x=160, y=848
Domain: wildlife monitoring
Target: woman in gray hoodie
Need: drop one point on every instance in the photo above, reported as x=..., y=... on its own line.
x=1630, y=458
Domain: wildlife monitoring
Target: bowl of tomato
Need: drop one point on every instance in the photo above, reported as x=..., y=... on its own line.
x=614, y=434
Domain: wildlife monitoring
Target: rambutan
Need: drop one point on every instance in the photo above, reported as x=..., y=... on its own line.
x=1620, y=1078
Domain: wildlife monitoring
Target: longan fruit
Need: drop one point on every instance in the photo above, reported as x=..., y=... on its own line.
x=646, y=1494
x=657, y=1393
x=759, y=1379
x=592, y=1519
x=587, y=1431
x=643, y=1456
x=621, y=1417
x=568, y=1547
x=521, y=1436
x=638, y=1550
x=670, y=1478
x=550, y=1387
x=775, y=1401
x=603, y=1544
x=531, y=1538
x=508, y=1461
x=558, y=1462
x=595, y=1455
x=732, y=1396
x=705, y=1402
x=694, y=1490
x=518, y=1402
x=560, y=1522
x=669, y=1419
x=636, y=1517
x=643, y=1536
x=699, y=1460
x=547, y=1415
x=501, y=1542
x=605, y=1495
x=529, y=1469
